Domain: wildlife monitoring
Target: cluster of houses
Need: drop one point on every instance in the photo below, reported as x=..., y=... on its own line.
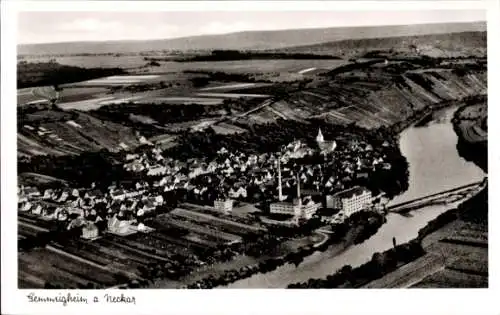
x=238, y=175
x=227, y=177
x=117, y=209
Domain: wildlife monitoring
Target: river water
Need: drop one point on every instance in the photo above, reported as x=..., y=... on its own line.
x=434, y=166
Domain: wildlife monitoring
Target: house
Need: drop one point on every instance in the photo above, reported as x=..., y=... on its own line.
x=222, y=151
x=90, y=231
x=75, y=223
x=309, y=207
x=50, y=213
x=37, y=210
x=241, y=192
x=362, y=175
x=134, y=166
x=76, y=211
x=224, y=205
x=169, y=187
x=31, y=192
x=48, y=194
x=130, y=157
x=147, y=205
x=95, y=194
x=120, y=227
x=142, y=228
x=21, y=198
x=119, y=194
x=26, y=206
x=76, y=202
x=62, y=215
x=142, y=184
x=63, y=196
x=157, y=170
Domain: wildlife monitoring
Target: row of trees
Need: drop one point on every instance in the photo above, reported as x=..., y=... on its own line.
x=228, y=55
x=101, y=167
x=52, y=73
x=379, y=265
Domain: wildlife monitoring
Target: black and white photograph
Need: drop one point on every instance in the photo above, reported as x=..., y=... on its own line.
x=284, y=149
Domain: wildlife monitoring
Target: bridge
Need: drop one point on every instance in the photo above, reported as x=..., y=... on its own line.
x=436, y=198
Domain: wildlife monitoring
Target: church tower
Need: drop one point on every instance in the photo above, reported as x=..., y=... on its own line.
x=319, y=137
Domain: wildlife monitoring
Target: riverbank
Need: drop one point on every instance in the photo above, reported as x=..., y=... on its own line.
x=434, y=166
x=470, y=123
x=406, y=264
x=423, y=116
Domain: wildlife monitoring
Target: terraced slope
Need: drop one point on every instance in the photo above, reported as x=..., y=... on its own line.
x=375, y=95
x=62, y=133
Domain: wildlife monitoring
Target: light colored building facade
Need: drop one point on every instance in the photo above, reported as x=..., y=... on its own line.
x=297, y=208
x=288, y=208
x=224, y=205
x=350, y=200
x=90, y=231
x=308, y=210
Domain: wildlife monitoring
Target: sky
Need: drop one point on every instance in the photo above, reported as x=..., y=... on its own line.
x=47, y=27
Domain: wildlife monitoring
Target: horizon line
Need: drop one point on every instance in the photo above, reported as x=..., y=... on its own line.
x=244, y=31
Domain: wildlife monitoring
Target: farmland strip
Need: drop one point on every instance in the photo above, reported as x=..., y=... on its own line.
x=51, y=248
x=137, y=251
x=37, y=228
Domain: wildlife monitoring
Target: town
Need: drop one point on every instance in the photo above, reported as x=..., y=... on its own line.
x=216, y=204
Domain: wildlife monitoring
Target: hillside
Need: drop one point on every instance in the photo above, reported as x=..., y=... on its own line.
x=249, y=39
x=375, y=93
x=471, y=125
x=434, y=45
x=51, y=132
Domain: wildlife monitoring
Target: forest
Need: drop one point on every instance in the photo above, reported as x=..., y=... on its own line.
x=52, y=73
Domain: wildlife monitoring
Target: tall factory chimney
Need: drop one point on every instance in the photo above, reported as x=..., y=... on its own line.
x=298, y=189
x=280, y=190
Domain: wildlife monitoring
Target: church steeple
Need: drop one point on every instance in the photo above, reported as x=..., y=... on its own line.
x=319, y=137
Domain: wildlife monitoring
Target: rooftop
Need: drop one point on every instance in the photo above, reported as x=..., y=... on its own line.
x=351, y=192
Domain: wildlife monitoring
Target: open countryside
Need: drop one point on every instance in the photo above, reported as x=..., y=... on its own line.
x=356, y=162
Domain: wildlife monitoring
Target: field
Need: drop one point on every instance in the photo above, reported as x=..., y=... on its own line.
x=58, y=267
x=232, y=86
x=137, y=64
x=456, y=257
x=370, y=97
x=448, y=278
x=472, y=123
x=69, y=133
x=232, y=226
x=120, y=80
x=204, y=229
x=127, y=62
x=178, y=242
x=67, y=95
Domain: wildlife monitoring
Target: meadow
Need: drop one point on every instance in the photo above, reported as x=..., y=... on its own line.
x=137, y=63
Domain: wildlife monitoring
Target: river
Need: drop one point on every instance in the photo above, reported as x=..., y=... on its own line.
x=434, y=165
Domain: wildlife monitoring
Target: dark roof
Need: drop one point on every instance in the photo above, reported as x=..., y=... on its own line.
x=349, y=193
x=96, y=192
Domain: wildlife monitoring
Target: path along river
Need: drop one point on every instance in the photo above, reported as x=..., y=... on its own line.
x=434, y=166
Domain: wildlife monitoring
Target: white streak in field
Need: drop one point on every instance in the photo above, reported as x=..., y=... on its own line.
x=306, y=70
